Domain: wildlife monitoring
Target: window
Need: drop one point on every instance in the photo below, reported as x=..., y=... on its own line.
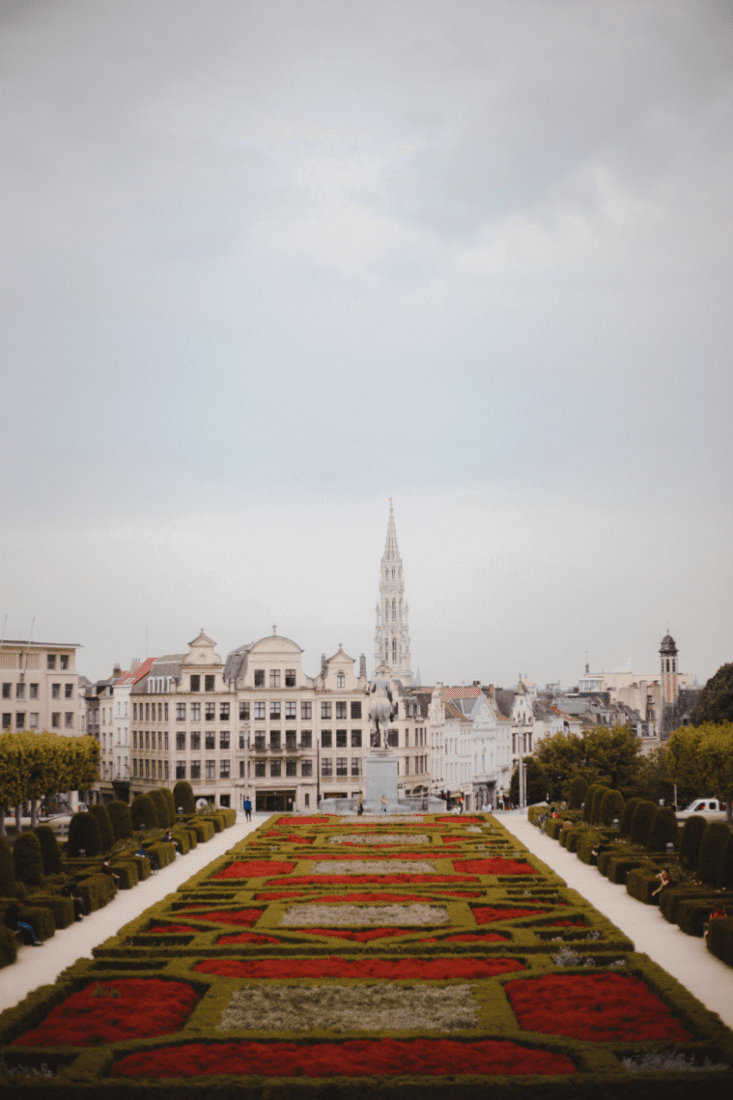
x=69, y=720
x=291, y=739
x=223, y=712
x=195, y=769
x=326, y=766
x=180, y=712
x=64, y=661
x=166, y=739
x=289, y=677
x=196, y=683
x=134, y=739
x=306, y=739
x=55, y=690
x=7, y=719
x=274, y=677
x=6, y=691
x=291, y=711
x=147, y=769
x=56, y=720
x=393, y=738
x=224, y=767
x=210, y=769
x=342, y=765
x=341, y=710
x=134, y=711
x=181, y=743
x=355, y=765
x=259, y=769
x=325, y=710
x=340, y=680
x=274, y=712
x=356, y=710
x=51, y=662
x=326, y=739
x=33, y=721
x=210, y=683
x=20, y=719
x=259, y=711
x=224, y=739
x=180, y=769
x=147, y=739
x=275, y=769
x=244, y=712
x=275, y=740
x=20, y=691
x=291, y=767
x=209, y=741
x=241, y=742
x=306, y=768
x=356, y=739
x=195, y=712
x=134, y=766
x=210, y=712
x=260, y=744
x=259, y=677
x=68, y=691
x=306, y=711
x=195, y=741
x=341, y=739
x=147, y=713
x=166, y=776
x=241, y=769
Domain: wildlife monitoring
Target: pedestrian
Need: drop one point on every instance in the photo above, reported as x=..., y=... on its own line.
x=360, y=804
x=13, y=921
x=71, y=890
x=247, y=805
x=460, y=804
x=384, y=803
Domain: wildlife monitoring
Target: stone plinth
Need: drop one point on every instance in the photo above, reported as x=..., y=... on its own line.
x=380, y=774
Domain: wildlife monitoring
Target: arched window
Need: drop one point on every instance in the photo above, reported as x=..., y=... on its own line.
x=394, y=649
x=668, y=664
x=340, y=680
x=394, y=611
x=386, y=611
x=393, y=574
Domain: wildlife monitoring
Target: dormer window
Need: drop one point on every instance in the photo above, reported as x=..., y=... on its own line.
x=210, y=683
x=289, y=677
x=196, y=683
x=340, y=680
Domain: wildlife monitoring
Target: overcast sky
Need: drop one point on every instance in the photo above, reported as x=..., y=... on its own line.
x=266, y=264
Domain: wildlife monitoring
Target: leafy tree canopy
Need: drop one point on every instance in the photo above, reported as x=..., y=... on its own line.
x=703, y=755
x=716, y=698
x=599, y=755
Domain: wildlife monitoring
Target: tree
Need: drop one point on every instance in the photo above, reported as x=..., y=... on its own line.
x=599, y=755
x=653, y=780
x=83, y=835
x=702, y=756
x=34, y=765
x=183, y=797
x=536, y=782
x=561, y=757
x=716, y=698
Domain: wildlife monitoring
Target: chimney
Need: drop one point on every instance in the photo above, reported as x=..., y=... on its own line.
x=135, y=664
x=116, y=672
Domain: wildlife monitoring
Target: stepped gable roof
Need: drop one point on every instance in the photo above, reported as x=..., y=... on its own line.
x=504, y=701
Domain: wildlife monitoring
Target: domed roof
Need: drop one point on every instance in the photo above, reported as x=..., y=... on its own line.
x=668, y=644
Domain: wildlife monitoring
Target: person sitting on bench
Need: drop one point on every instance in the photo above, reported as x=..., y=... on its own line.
x=107, y=870
x=12, y=921
x=71, y=890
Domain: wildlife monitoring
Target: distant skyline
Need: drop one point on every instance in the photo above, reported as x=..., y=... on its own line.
x=267, y=264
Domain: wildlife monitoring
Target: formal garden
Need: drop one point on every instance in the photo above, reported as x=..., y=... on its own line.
x=404, y=957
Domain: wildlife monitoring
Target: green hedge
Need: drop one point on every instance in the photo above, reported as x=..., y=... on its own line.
x=96, y=891
x=719, y=939
x=628, y=816
x=62, y=909
x=641, y=822
x=126, y=871
x=690, y=840
x=8, y=947
x=664, y=830
x=711, y=851
x=50, y=851
x=203, y=827
x=642, y=882
x=27, y=859
x=693, y=913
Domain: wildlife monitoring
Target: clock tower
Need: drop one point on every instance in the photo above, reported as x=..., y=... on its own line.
x=392, y=639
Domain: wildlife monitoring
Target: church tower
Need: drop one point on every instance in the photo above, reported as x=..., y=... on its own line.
x=670, y=683
x=392, y=640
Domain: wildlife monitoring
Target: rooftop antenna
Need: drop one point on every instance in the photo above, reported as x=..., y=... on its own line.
x=147, y=648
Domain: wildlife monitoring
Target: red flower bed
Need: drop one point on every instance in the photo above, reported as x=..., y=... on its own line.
x=359, y=937
x=294, y=839
x=336, y=967
x=495, y=866
x=140, y=1008
x=369, y=880
x=255, y=868
x=226, y=916
x=461, y=819
x=469, y=937
x=487, y=914
x=175, y=928
x=354, y=1058
x=248, y=937
x=596, y=1007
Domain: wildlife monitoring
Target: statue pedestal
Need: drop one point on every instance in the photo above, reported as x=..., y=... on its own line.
x=380, y=773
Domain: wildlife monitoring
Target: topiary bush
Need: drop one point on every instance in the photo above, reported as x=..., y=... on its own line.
x=27, y=859
x=711, y=851
x=588, y=801
x=7, y=870
x=168, y=795
x=50, y=851
x=8, y=945
x=183, y=797
x=83, y=835
x=106, y=834
x=611, y=808
x=641, y=822
x=595, y=810
x=119, y=815
x=664, y=830
x=143, y=812
x=577, y=792
x=161, y=808
x=628, y=815
x=725, y=870
x=690, y=839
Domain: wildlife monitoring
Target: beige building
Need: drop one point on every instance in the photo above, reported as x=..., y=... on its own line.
x=40, y=687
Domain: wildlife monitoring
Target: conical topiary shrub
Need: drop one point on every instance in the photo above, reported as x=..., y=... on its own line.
x=725, y=870
x=665, y=830
x=641, y=822
x=27, y=859
x=168, y=796
x=595, y=809
x=143, y=812
x=611, y=808
x=50, y=851
x=690, y=840
x=7, y=870
x=161, y=808
x=588, y=801
x=628, y=815
x=83, y=835
x=106, y=834
x=577, y=792
x=183, y=797
x=711, y=851
x=119, y=815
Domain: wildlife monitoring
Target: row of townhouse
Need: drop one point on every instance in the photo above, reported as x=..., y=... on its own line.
x=40, y=687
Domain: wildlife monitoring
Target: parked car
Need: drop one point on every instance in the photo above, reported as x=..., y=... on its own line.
x=710, y=808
